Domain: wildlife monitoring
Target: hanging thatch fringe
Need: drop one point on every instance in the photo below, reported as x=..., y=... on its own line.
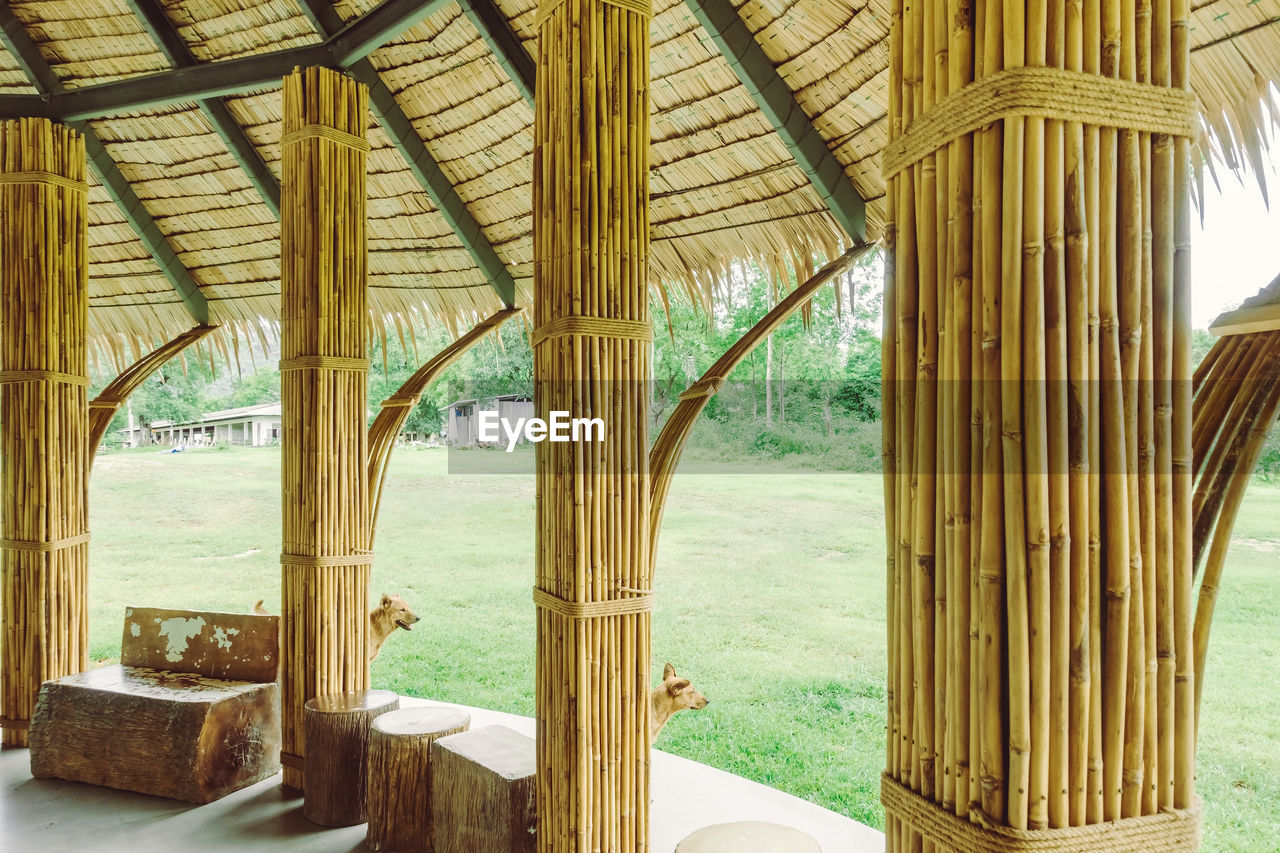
x=44, y=418
x=103, y=407
x=1037, y=425
x=590, y=199
x=323, y=388
x=395, y=409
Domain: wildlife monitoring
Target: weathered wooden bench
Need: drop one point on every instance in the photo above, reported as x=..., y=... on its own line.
x=191, y=712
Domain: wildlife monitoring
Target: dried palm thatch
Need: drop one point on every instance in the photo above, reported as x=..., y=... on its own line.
x=1038, y=428
x=725, y=188
x=44, y=416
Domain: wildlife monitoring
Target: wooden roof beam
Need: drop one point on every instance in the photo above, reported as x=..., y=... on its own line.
x=37, y=70
x=425, y=169
x=153, y=19
x=775, y=99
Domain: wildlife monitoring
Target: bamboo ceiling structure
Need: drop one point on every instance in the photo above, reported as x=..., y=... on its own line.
x=769, y=123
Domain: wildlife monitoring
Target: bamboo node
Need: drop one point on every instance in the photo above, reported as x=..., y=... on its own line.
x=600, y=327
x=10, y=376
x=643, y=8
x=707, y=386
x=1169, y=829
x=43, y=546
x=324, y=362
x=1054, y=93
x=51, y=179
x=327, y=561
x=14, y=723
x=581, y=610
x=329, y=134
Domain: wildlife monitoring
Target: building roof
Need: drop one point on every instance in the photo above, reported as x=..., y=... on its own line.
x=184, y=196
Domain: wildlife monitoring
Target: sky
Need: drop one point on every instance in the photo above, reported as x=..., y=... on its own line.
x=1237, y=252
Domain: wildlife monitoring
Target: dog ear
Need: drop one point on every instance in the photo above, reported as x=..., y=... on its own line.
x=676, y=685
x=386, y=599
x=668, y=672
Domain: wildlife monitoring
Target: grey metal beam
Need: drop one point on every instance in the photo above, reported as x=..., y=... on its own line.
x=117, y=186
x=378, y=26
x=24, y=50
x=424, y=167
x=153, y=19
x=427, y=172
x=187, y=85
x=776, y=100
x=23, y=106
x=507, y=48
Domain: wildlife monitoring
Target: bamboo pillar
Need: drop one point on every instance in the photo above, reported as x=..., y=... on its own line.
x=44, y=415
x=323, y=387
x=1038, y=496
x=592, y=358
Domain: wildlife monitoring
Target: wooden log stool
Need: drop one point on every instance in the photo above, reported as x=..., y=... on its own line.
x=483, y=789
x=399, y=787
x=336, y=732
x=754, y=835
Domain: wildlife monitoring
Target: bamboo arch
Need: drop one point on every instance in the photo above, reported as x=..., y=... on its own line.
x=104, y=407
x=395, y=409
x=669, y=446
x=1236, y=398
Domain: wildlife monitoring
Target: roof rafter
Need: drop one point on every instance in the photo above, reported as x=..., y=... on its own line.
x=776, y=100
x=344, y=46
x=41, y=75
x=153, y=19
x=399, y=127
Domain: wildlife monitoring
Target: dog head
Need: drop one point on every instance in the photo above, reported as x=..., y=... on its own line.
x=397, y=612
x=681, y=690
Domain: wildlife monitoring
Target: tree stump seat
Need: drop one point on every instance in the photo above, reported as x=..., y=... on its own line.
x=483, y=792
x=192, y=712
x=336, y=734
x=399, y=787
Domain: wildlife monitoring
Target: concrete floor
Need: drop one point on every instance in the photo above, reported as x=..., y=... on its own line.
x=51, y=816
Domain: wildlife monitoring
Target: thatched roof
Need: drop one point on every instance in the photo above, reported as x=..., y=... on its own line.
x=725, y=186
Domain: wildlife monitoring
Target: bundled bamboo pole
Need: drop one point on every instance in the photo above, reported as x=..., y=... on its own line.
x=395, y=409
x=592, y=357
x=1039, y=637
x=664, y=458
x=103, y=407
x=44, y=424
x=323, y=386
x=1232, y=430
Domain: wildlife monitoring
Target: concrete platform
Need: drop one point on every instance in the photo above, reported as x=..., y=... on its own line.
x=51, y=816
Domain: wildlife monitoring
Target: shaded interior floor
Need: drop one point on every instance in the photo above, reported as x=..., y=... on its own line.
x=52, y=816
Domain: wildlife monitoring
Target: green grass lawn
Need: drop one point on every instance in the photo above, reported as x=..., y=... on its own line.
x=770, y=597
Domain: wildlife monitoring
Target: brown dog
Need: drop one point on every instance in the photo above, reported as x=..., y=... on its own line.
x=674, y=695
x=391, y=613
